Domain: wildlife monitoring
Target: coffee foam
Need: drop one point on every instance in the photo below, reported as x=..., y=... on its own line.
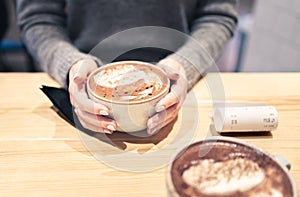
x=128, y=82
x=125, y=75
x=215, y=178
x=228, y=169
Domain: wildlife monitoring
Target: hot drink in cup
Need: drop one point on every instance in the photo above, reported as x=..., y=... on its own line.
x=130, y=89
x=225, y=167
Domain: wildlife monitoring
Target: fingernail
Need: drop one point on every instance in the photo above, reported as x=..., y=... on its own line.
x=159, y=108
x=107, y=131
x=104, y=113
x=150, y=132
x=175, y=75
x=76, y=76
x=110, y=127
x=151, y=128
x=153, y=125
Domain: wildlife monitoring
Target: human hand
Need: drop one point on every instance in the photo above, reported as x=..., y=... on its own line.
x=90, y=114
x=169, y=106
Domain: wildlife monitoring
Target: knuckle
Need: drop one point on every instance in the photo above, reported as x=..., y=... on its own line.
x=100, y=130
x=101, y=123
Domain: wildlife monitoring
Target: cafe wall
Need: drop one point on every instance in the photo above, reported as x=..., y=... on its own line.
x=274, y=38
x=13, y=55
x=267, y=38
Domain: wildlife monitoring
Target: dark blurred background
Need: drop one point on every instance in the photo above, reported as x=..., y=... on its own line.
x=13, y=55
x=267, y=39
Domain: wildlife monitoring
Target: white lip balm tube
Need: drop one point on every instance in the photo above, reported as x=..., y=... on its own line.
x=251, y=118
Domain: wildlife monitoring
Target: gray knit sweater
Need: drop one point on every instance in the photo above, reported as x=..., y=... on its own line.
x=58, y=33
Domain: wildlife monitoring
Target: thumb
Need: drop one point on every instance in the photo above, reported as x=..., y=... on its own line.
x=170, y=67
x=171, y=72
x=82, y=69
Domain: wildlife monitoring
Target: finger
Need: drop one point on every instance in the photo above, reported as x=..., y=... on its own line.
x=176, y=95
x=80, y=100
x=160, y=118
x=180, y=86
x=161, y=125
x=98, y=121
x=89, y=126
x=171, y=72
x=94, y=128
x=167, y=101
x=74, y=69
x=85, y=67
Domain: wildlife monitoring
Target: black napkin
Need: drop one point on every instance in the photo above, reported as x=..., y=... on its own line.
x=61, y=101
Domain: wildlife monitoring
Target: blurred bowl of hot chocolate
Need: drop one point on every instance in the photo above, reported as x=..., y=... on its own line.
x=223, y=166
x=130, y=89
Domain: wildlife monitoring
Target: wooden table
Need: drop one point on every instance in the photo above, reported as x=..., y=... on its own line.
x=42, y=155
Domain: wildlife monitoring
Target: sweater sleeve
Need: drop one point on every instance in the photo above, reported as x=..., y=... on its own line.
x=43, y=29
x=212, y=27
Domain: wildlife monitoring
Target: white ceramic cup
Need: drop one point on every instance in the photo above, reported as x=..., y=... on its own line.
x=131, y=116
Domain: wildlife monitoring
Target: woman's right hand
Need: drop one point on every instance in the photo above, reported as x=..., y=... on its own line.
x=90, y=114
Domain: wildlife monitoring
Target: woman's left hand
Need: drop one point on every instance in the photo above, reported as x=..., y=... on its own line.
x=168, y=107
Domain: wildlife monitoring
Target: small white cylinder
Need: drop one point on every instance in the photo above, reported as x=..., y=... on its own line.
x=251, y=118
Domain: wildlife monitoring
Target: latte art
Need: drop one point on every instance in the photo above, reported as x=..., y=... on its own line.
x=125, y=75
x=216, y=178
x=127, y=82
x=131, y=89
x=223, y=168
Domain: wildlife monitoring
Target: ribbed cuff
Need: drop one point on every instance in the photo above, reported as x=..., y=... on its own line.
x=193, y=72
x=67, y=61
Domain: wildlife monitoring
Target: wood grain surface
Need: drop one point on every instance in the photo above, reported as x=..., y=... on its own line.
x=43, y=155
